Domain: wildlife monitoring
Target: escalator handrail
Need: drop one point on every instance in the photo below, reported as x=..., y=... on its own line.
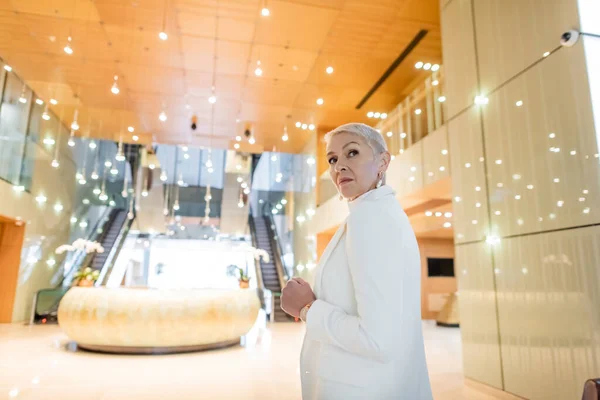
x=259, y=278
x=115, y=249
x=275, y=242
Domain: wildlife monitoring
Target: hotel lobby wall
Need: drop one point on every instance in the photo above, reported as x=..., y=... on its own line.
x=46, y=228
x=525, y=175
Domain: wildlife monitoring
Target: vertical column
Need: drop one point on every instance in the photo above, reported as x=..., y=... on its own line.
x=437, y=108
x=408, y=115
x=430, y=105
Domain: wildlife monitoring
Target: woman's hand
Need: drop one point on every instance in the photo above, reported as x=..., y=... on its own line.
x=295, y=295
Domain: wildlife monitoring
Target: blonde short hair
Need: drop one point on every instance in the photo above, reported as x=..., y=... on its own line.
x=370, y=135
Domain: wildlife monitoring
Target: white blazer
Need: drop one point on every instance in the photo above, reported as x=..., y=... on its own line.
x=363, y=333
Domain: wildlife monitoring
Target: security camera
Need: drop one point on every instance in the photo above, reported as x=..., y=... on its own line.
x=569, y=38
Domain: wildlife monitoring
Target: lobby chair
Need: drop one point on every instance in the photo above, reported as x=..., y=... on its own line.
x=591, y=389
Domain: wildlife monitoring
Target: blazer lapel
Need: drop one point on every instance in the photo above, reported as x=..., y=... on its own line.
x=326, y=254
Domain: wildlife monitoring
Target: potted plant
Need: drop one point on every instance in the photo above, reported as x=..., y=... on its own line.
x=87, y=277
x=240, y=274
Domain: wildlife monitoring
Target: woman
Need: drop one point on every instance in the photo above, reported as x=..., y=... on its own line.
x=363, y=321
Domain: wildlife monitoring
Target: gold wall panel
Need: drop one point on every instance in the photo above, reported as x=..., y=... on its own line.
x=468, y=177
x=405, y=173
x=459, y=56
x=513, y=34
x=478, y=318
x=436, y=156
x=548, y=299
x=542, y=155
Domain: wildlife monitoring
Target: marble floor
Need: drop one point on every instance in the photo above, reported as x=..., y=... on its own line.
x=35, y=363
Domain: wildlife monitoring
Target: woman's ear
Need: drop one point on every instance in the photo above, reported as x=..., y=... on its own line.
x=385, y=159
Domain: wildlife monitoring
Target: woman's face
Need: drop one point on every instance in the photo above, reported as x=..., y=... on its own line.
x=353, y=167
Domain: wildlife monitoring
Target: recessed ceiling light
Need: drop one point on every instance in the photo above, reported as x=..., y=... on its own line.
x=163, y=36
x=265, y=12
x=419, y=65
x=329, y=70
x=130, y=129
x=435, y=67
x=427, y=66
x=320, y=101
x=370, y=114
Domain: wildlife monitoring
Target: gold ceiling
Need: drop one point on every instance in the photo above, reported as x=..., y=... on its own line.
x=220, y=40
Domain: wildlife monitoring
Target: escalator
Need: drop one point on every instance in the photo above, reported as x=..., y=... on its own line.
x=110, y=234
x=264, y=237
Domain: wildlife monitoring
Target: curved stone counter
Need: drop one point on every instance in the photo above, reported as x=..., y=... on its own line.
x=128, y=320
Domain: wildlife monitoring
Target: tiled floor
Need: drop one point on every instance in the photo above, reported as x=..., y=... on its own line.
x=34, y=364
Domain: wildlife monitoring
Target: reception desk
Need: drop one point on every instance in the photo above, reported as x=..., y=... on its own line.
x=152, y=321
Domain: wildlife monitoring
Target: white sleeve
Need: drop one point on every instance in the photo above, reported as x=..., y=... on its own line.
x=373, y=249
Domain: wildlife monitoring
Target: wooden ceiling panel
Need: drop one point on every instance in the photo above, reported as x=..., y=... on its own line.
x=282, y=64
x=232, y=57
x=149, y=79
x=295, y=44
x=236, y=30
x=288, y=24
x=198, y=53
x=83, y=10
x=196, y=25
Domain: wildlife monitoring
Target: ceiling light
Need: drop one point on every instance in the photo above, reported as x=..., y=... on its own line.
x=383, y=116
x=163, y=36
x=435, y=67
x=131, y=129
x=252, y=140
x=428, y=213
x=298, y=124
x=86, y=201
x=212, y=99
x=258, y=71
x=115, y=87
x=329, y=70
x=8, y=68
x=238, y=138
x=236, y=146
x=45, y=116
x=135, y=138
x=442, y=99
x=435, y=83
x=403, y=135
x=377, y=115
x=68, y=48
x=55, y=164
x=39, y=102
x=304, y=126
x=186, y=156
x=283, y=201
x=108, y=164
x=418, y=111
x=285, y=137
x=389, y=134
x=49, y=141
x=546, y=54
x=53, y=102
x=265, y=12
x=41, y=199
x=311, y=127
x=370, y=114
x=93, y=145
x=310, y=161
x=320, y=101
x=244, y=185
x=419, y=65
x=162, y=116
x=519, y=103
x=144, y=193
x=447, y=225
x=427, y=66
x=97, y=191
